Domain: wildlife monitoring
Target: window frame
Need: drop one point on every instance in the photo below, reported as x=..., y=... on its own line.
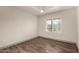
x=52, y=26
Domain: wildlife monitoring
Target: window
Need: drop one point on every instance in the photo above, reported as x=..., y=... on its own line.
x=54, y=25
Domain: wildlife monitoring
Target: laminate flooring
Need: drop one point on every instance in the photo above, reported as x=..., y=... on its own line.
x=41, y=45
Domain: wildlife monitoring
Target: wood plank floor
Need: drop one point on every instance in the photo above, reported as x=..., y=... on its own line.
x=41, y=45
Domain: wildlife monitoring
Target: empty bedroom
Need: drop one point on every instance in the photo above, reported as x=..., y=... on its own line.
x=39, y=29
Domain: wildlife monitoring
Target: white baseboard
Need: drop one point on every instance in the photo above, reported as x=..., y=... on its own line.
x=17, y=43
x=59, y=40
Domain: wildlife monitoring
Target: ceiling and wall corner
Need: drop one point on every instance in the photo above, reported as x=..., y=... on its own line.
x=36, y=10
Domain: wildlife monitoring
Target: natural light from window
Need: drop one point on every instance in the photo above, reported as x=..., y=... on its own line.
x=54, y=25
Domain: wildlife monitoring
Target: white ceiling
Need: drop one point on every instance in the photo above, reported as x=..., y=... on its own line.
x=47, y=9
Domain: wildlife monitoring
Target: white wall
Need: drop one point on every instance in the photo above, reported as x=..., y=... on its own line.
x=78, y=27
x=16, y=26
x=68, y=33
